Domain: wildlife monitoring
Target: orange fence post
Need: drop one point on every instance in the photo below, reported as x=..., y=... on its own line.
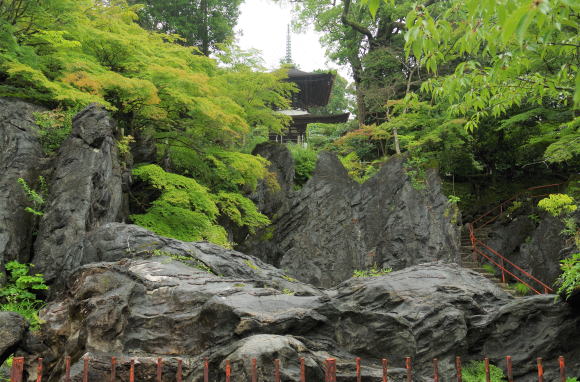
x=487, y=376
x=132, y=371
x=254, y=370
x=562, y=369
x=409, y=368
x=458, y=369
x=540, y=370
x=179, y=370
x=277, y=370
x=385, y=370
x=67, y=369
x=159, y=369
x=17, y=371
x=113, y=368
x=330, y=370
x=206, y=370
x=435, y=370
x=358, y=369
x=39, y=371
x=86, y=369
x=302, y=370
x=228, y=370
x=510, y=374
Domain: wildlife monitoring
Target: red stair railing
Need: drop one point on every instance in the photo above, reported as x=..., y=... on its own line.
x=482, y=249
x=500, y=262
x=501, y=208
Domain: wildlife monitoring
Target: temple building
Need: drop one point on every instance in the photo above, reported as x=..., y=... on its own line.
x=313, y=90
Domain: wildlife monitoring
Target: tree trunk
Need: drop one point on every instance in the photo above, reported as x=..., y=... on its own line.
x=205, y=26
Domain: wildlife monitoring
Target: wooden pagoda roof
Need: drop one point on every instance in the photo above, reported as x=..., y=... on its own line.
x=314, y=88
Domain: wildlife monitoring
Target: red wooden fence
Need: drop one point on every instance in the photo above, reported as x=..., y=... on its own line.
x=17, y=371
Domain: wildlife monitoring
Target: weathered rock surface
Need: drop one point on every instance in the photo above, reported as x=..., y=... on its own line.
x=85, y=190
x=537, y=247
x=116, y=241
x=157, y=306
x=19, y=158
x=12, y=329
x=267, y=200
x=334, y=225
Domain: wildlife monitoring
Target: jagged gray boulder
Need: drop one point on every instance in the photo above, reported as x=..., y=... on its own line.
x=334, y=225
x=20, y=157
x=12, y=329
x=536, y=245
x=157, y=306
x=85, y=189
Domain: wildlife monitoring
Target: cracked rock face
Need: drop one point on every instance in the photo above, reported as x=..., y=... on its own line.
x=154, y=305
x=85, y=191
x=20, y=157
x=333, y=226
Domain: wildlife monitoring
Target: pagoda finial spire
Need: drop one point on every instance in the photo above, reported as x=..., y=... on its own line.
x=288, y=59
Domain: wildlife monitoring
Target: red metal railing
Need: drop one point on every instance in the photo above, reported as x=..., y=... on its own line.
x=330, y=370
x=500, y=261
x=482, y=249
x=501, y=208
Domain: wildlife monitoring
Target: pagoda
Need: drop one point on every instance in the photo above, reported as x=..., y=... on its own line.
x=313, y=90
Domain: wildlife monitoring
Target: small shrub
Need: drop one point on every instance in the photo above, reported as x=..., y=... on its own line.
x=489, y=268
x=452, y=199
x=124, y=144
x=569, y=280
x=558, y=204
x=374, y=271
x=288, y=291
x=521, y=289
x=18, y=293
x=415, y=170
x=516, y=205
x=571, y=230
x=304, y=163
x=474, y=371
x=54, y=127
x=37, y=198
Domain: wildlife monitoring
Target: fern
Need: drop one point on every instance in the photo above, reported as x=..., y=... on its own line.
x=18, y=293
x=474, y=371
x=37, y=198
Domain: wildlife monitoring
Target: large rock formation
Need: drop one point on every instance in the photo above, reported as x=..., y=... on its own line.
x=20, y=157
x=535, y=244
x=116, y=241
x=85, y=190
x=158, y=306
x=120, y=290
x=334, y=225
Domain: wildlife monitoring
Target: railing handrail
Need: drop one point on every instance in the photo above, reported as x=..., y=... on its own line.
x=508, y=272
x=474, y=244
x=502, y=204
x=529, y=275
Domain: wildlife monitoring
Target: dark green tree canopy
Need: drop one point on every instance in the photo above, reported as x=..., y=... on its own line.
x=201, y=23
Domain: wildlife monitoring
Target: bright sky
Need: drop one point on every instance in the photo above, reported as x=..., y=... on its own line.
x=263, y=25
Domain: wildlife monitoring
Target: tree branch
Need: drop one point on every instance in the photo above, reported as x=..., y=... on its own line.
x=352, y=24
